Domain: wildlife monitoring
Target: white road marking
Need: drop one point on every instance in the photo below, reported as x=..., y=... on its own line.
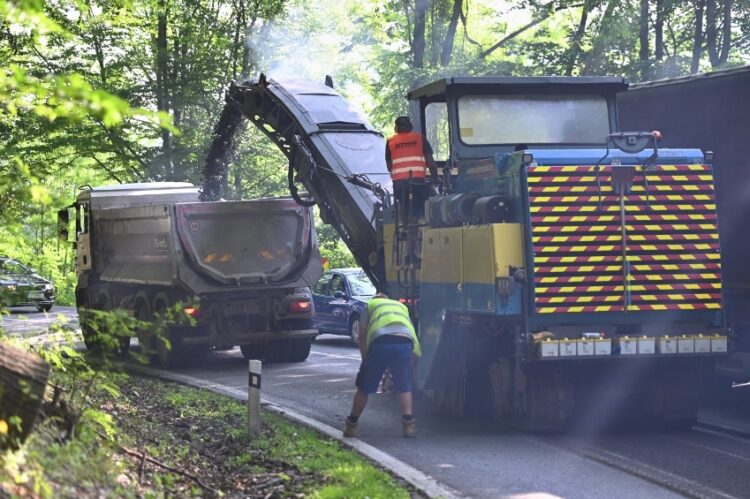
x=677, y=478
x=728, y=436
x=718, y=451
x=336, y=356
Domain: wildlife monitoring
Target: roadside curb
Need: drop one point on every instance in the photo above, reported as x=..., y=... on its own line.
x=418, y=479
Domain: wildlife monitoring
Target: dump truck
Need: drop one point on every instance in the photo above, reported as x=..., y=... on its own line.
x=710, y=111
x=566, y=271
x=241, y=269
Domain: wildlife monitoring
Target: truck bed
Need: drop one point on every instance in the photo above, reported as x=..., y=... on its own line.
x=209, y=247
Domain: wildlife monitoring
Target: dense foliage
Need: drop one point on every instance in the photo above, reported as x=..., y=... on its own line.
x=103, y=91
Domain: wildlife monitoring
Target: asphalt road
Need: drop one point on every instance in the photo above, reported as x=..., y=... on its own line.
x=27, y=321
x=483, y=459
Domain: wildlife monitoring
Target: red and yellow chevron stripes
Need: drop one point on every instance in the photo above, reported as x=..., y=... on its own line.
x=671, y=243
x=674, y=306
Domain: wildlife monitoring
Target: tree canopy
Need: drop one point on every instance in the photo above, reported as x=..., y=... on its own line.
x=106, y=91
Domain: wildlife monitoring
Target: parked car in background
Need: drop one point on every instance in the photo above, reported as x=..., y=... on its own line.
x=340, y=296
x=22, y=286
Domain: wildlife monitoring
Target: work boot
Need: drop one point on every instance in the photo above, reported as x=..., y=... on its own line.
x=350, y=430
x=410, y=427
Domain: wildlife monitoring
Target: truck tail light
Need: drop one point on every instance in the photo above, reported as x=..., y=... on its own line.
x=300, y=306
x=191, y=311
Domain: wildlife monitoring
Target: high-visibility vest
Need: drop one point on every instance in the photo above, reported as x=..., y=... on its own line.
x=384, y=312
x=407, y=156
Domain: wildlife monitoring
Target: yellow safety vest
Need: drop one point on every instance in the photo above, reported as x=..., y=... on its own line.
x=384, y=312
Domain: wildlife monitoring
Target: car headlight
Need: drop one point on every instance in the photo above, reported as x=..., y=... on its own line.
x=49, y=287
x=11, y=287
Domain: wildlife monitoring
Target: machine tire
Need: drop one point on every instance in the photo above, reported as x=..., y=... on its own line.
x=44, y=308
x=354, y=329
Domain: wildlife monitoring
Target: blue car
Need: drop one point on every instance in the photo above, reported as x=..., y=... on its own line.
x=340, y=296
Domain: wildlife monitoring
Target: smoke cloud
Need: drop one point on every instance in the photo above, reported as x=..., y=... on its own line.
x=309, y=41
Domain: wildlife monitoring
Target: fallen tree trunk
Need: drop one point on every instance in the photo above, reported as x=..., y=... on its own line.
x=23, y=378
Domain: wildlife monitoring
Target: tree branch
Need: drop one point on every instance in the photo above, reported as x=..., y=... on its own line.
x=549, y=12
x=144, y=457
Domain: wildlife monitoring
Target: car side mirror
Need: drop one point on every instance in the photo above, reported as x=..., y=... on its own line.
x=63, y=218
x=339, y=294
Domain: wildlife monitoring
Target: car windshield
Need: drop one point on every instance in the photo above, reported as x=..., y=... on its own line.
x=11, y=267
x=360, y=285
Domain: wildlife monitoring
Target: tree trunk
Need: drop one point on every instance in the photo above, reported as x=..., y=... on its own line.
x=711, y=47
x=23, y=377
x=659, y=31
x=418, y=45
x=450, y=36
x=162, y=84
x=643, y=34
x=697, y=36
x=726, y=32
x=575, y=46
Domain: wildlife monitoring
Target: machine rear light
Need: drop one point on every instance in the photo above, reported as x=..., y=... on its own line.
x=191, y=311
x=300, y=306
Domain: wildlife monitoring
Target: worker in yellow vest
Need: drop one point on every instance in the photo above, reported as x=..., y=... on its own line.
x=387, y=340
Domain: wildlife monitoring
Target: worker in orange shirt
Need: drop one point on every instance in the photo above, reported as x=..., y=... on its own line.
x=409, y=156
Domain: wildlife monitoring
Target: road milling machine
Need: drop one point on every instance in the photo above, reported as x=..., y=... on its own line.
x=564, y=270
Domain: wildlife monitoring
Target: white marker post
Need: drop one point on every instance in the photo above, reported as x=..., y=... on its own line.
x=255, y=368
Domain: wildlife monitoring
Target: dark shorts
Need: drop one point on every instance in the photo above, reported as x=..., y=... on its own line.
x=382, y=355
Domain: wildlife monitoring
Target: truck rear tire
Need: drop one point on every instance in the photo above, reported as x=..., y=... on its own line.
x=121, y=343
x=168, y=347
x=92, y=338
x=89, y=336
x=143, y=331
x=253, y=351
x=299, y=349
x=168, y=355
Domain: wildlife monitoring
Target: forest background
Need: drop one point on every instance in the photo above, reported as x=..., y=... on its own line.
x=100, y=92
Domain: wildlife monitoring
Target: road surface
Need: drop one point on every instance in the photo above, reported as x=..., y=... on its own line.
x=27, y=321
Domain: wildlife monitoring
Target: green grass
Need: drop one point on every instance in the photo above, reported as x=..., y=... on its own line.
x=350, y=475
x=190, y=429
x=347, y=474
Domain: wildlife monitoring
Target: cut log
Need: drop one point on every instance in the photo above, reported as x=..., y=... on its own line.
x=23, y=378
